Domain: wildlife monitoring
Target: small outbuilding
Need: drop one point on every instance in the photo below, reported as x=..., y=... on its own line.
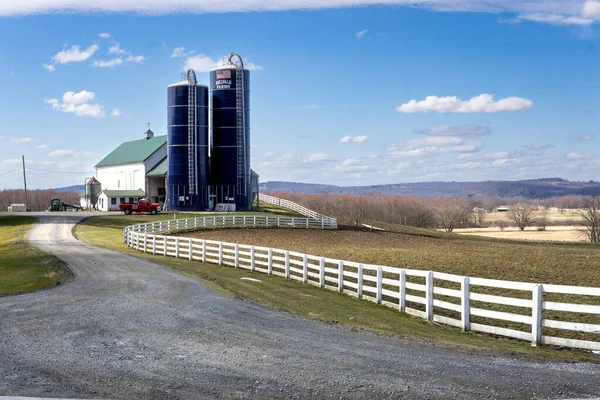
x=109, y=200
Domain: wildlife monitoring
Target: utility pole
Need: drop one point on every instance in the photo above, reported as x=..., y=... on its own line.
x=25, y=183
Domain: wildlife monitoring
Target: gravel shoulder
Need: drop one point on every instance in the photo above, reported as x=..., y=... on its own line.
x=126, y=328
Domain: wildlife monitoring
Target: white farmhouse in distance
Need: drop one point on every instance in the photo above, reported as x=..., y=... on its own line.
x=133, y=170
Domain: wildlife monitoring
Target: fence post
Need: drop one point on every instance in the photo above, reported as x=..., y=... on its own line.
x=153, y=244
x=305, y=269
x=254, y=222
x=322, y=273
x=465, y=304
x=379, y=285
x=166, y=250
x=270, y=261
x=536, y=316
x=145, y=243
x=429, y=296
x=220, y=253
x=191, y=255
x=237, y=256
x=360, y=281
x=402, y=300
x=252, y=257
x=287, y=264
x=341, y=276
x=204, y=251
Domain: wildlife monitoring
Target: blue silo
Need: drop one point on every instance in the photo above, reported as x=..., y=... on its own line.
x=230, y=157
x=188, y=151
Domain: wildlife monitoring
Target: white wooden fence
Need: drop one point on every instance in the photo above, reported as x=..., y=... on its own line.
x=290, y=205
x=437, y=297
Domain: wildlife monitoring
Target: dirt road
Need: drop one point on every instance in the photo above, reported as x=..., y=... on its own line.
x=125, y=328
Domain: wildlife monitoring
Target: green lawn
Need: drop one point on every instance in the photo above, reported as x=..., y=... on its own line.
x=24, y=268
x=309, y=301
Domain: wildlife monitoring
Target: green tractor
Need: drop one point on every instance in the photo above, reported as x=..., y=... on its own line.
x=56, y=205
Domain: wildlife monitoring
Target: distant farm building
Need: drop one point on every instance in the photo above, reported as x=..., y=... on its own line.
x=502, y=209
x=479, y=210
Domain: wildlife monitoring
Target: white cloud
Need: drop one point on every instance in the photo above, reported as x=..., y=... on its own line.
x=585, y=137
x=316, y=158
x=105, y=35
x=201, y=63
x=456, y=130
x=61, y=153
x=356, y=139
x=108, y=63
x=591, y=9
x=253, y=67
x=135, y=59
x=42, y=146
x=49, y=67
x=361, y=33
x=496, y=155
x=578, y=156
x=431, y=147
x=483, y=103
x=78, y=104
x=116, y=112
x=19, y=7
x=204, y=63
x=180, y=52
x=116, y=49
x=20, y=140
x=553, y=19
x=74, y=54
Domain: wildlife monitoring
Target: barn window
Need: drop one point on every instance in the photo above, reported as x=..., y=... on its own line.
x=113, y=201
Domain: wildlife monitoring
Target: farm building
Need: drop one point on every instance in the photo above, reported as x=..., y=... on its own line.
x=134, y=169
x=502, y=209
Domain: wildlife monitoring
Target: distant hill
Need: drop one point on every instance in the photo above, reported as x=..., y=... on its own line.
x=532, y=188
x=74, y=189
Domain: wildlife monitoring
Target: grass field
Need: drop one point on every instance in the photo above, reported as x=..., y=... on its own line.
x=24, y=268
x=306, y=300
x=552, y=233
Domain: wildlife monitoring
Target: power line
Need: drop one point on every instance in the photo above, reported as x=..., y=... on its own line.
x=11, y=172
x=59, y=172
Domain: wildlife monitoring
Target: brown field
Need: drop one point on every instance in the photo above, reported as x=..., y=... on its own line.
x=554, y=216
x=551, y=234
x=567, y=264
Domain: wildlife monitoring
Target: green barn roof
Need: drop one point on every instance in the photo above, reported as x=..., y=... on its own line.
x=124, y=193
x=136, y=151
x=160, y=169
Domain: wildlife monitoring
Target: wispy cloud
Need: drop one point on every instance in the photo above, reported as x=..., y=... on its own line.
x=204, y=63
x=105, y=35
x=355, y=139
x=79, y=104
x=49, y=67
x=61, y=153
x=484, y=103
x=578, y=156
x=456, y=130
x=585, y=137
x=361, y=33
x=42, y=146
x=108, y=63
x=116, y=49
x=20, y=140
x=179, y=52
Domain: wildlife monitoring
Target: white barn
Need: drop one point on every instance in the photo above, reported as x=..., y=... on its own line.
x=133, y=170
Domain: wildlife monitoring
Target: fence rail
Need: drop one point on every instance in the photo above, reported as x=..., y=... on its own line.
x=459, y=301
x=290, y=205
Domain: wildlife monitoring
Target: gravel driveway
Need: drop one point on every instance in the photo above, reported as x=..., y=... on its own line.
x=125, y=328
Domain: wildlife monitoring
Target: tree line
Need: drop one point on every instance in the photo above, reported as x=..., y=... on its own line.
x=450, y=214
x=38, y=200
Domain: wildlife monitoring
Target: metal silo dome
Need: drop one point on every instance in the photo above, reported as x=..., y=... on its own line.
x=188, y=145
x=230, y=113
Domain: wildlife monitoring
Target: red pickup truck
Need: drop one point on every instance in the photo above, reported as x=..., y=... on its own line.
x=143, y=205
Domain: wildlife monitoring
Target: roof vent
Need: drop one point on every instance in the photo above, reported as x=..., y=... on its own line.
x=149, y=134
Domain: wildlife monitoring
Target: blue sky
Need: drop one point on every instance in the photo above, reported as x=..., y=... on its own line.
x=382, y=93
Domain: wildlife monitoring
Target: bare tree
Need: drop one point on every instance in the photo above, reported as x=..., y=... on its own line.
x=502, y=225
x=523, y=215
x=590, y=219
x=452, y=215
x=542, y=219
